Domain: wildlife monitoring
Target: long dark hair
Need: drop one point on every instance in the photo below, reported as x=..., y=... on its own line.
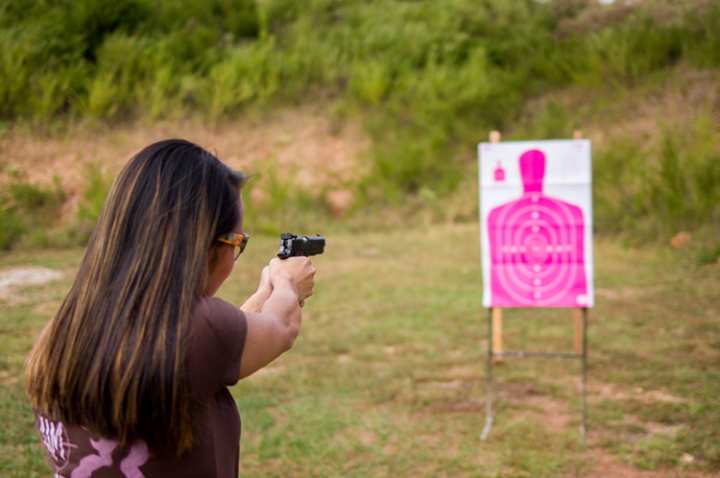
x=112, y=359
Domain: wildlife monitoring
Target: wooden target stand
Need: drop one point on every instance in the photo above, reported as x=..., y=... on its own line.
x=496, y=352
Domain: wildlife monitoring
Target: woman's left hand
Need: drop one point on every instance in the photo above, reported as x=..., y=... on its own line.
x=256, y=301
x=265, y=283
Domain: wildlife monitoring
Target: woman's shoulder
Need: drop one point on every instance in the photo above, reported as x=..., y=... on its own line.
x=217, y=339
x=216, y=320
x=218, y=315
x=211, y=306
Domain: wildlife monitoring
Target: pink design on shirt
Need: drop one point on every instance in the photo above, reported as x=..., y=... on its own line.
x=91, y=463
x=129, y=466
x=536, y=246
x=55, y=439
x=138, y=456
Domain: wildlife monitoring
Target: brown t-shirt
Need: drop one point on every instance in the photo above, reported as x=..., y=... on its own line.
x=217, y=338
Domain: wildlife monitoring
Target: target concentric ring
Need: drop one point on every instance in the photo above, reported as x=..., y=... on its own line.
x=536, y=258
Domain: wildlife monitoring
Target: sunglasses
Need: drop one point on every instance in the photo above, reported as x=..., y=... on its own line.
x=236, y=239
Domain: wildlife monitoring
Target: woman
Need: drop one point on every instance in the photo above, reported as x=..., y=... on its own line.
x=130, y=378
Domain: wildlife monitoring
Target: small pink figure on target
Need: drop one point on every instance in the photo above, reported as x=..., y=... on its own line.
x=499, y=173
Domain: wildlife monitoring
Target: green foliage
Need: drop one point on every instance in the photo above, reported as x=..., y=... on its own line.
x=441, y=69
x=27, y=208
x=91, y=204
x=282, y=205
x=109, y=58
x=248, y=75
x=30, y=213
x=11, y=227
x=629, y=51
x=703, y=439
x=551, y=121
x=406, y=164
x=96, y=190
x=659, y=189
x=709, y=252
x=702, y=45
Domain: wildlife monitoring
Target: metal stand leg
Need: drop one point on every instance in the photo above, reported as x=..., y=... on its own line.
x=583, y=426
x=488, y=381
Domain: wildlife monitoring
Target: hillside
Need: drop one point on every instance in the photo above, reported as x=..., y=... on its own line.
x=378, y=103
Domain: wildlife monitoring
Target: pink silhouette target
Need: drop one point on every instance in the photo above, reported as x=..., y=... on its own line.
x=536, y=244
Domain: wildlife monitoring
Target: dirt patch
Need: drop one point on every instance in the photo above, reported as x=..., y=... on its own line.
x=457, y=374
x=529, y=401
x=391, y=350
x=7, y=378
x=367, y=437
x=627, y=293
x=601, y=14
x=613, y=392
x=604, y=465
x=460, y=406
x=556, y=414
x=11, y=280
x=305, y=142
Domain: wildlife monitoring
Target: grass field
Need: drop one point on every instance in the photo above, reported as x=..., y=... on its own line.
x=387, y=376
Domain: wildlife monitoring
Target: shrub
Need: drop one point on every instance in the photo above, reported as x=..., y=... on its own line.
x=93, y=198
x=653, y=191
x=11, y=226
x=282, y=205
x=27, y=208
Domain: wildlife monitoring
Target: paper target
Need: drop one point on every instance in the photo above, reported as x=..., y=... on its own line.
x=536, y=246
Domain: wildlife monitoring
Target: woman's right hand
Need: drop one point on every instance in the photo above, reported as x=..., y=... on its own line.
x=274, y=329
x=298, y=270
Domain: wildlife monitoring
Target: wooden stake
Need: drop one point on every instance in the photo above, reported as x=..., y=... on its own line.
x=577, y=317
x=497, y=324
x=497, y=332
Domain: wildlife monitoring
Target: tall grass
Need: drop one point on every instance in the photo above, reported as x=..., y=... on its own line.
x=26, y=209
x=650, y=191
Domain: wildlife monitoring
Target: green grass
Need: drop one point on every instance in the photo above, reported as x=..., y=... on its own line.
x=387, y=377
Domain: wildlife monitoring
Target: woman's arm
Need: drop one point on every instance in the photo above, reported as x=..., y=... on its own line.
x=255, y=302
x=273, y=329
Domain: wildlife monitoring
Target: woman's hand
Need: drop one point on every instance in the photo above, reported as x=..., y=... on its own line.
x=274, y=328
x=299, y=271
x=255, y=302
x=265, y=283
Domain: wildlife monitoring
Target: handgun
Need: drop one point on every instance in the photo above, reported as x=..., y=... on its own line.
x=292, y=245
